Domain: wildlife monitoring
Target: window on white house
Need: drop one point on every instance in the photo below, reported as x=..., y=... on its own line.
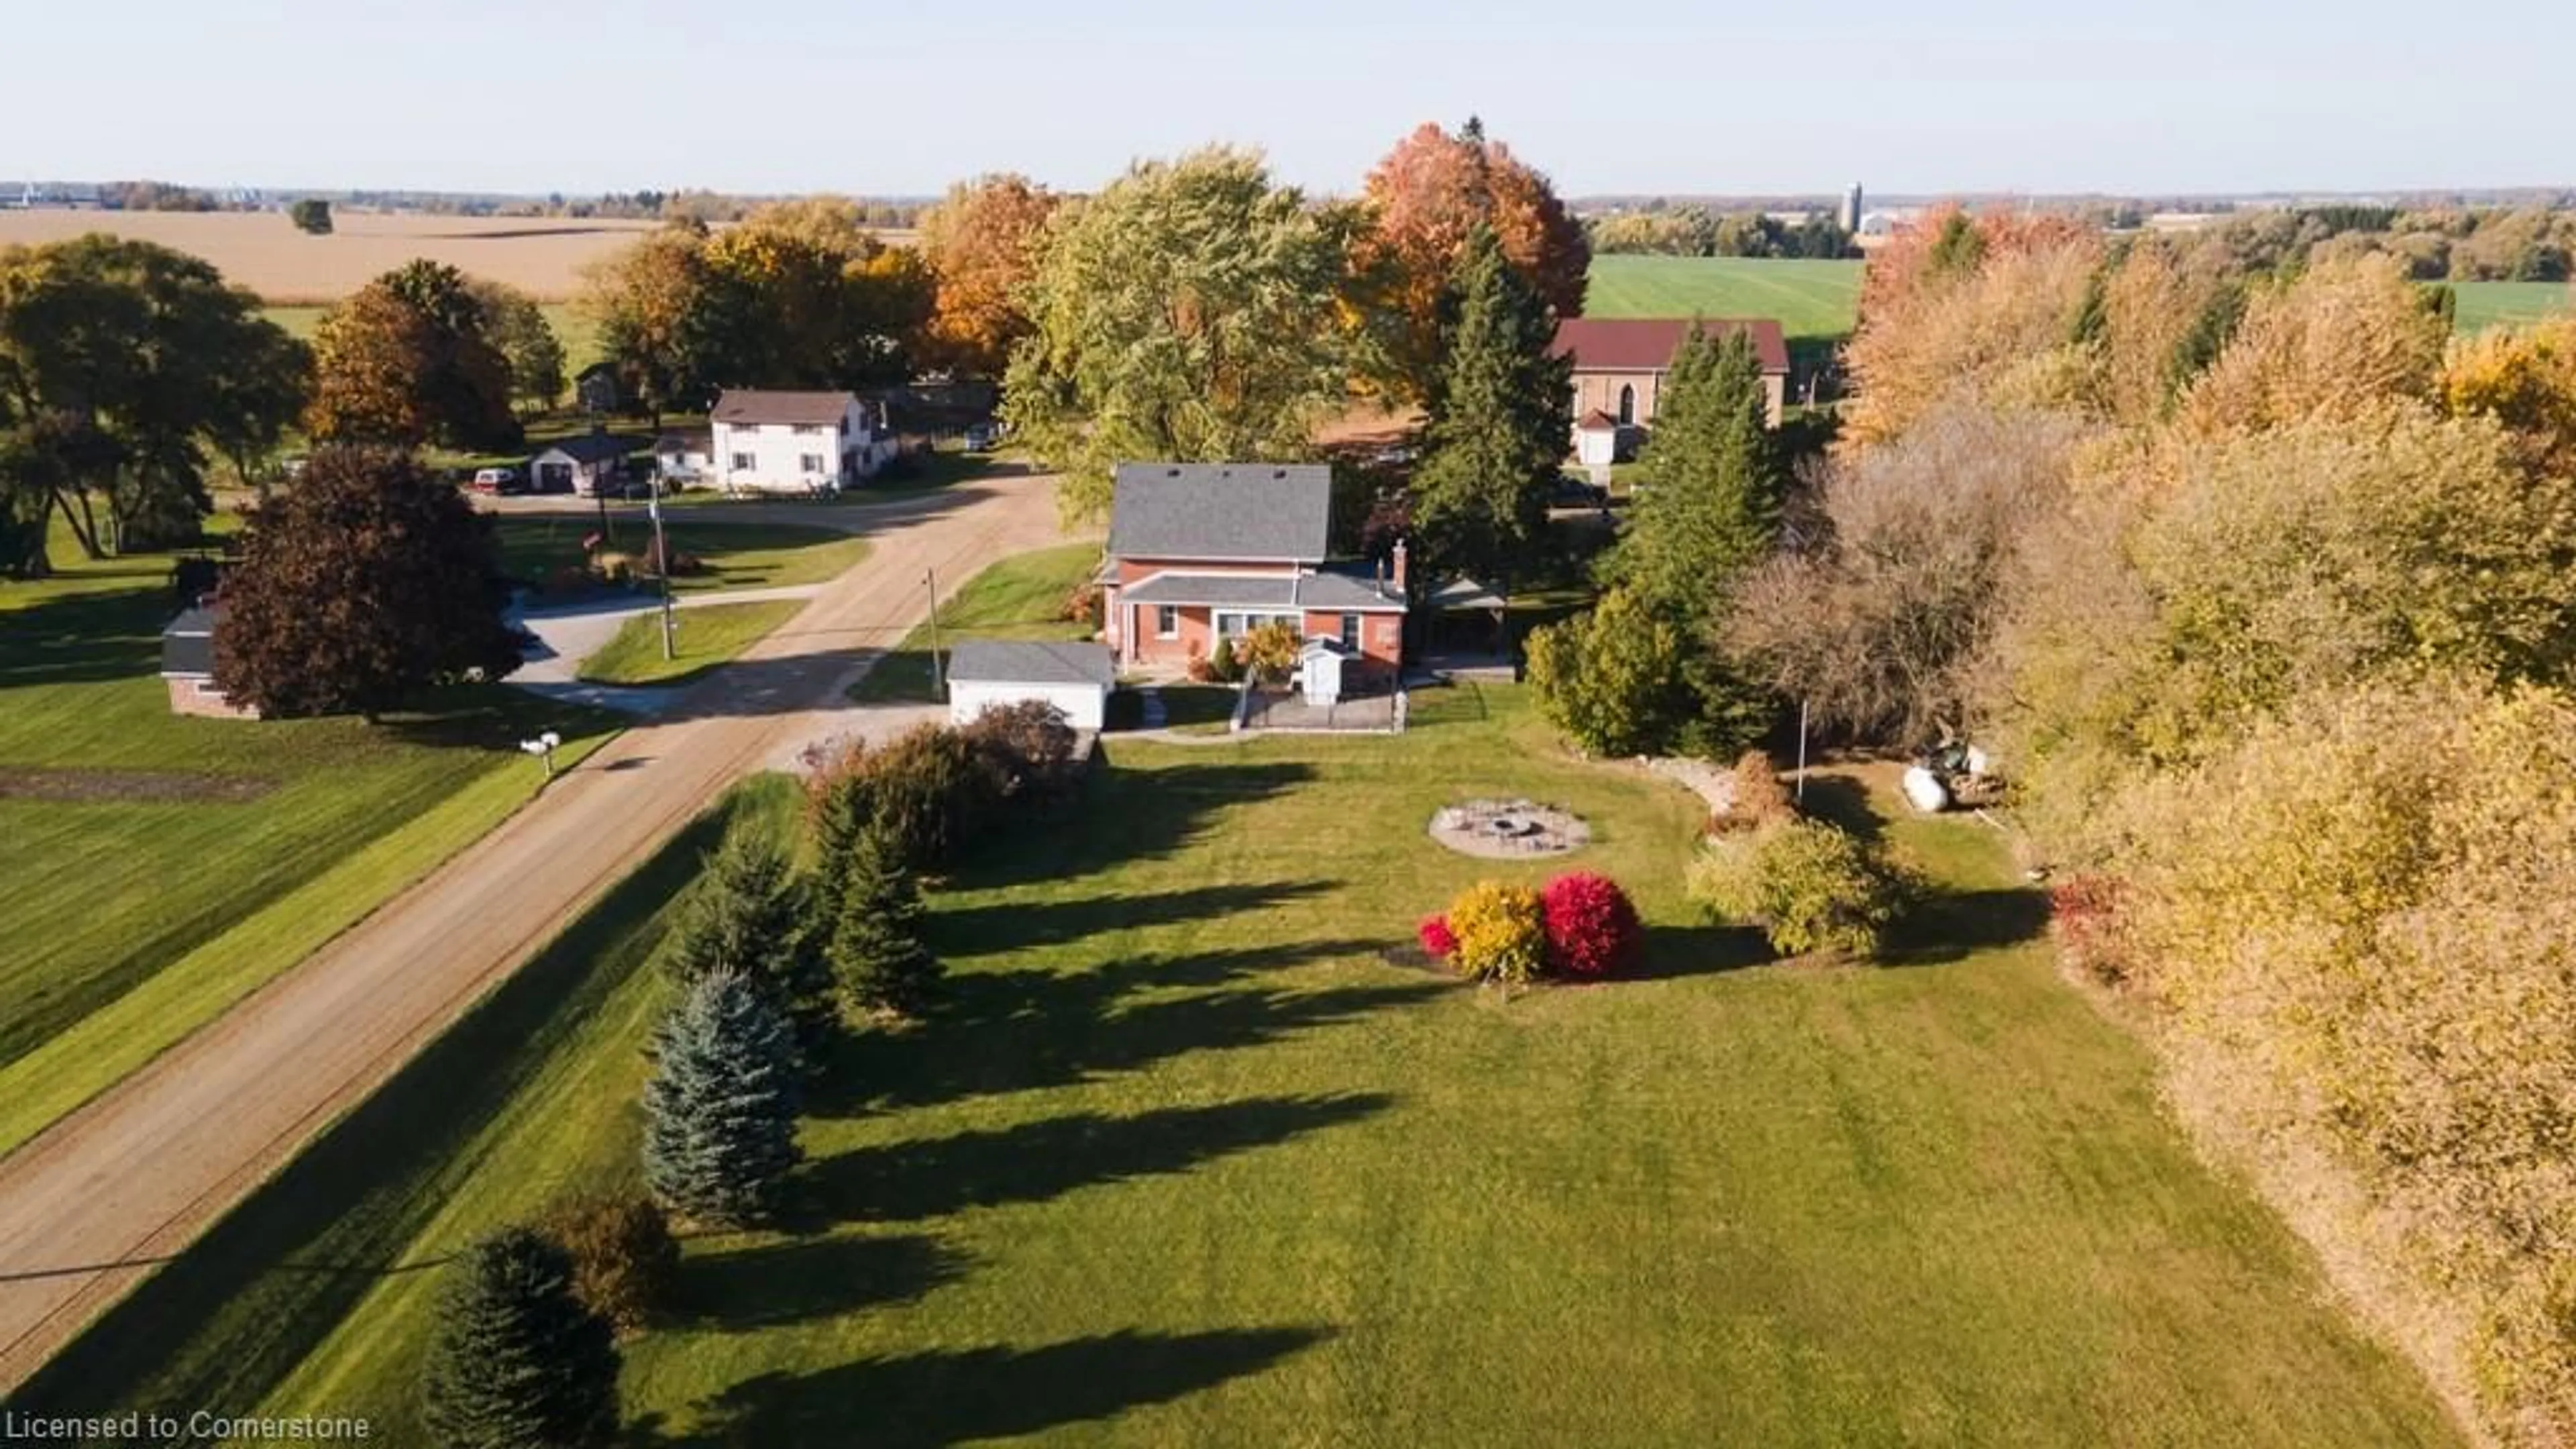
x=1167, y=622
x=809, y=430
x=813, y=462
x=744, y=462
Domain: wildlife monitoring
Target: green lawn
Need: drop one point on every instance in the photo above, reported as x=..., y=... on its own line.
x=736, y=555
x=1021, y=597
x=1811, y=299
x=705, y=637
x=1183, y=1160
x=160, y=868
x=2489, y=304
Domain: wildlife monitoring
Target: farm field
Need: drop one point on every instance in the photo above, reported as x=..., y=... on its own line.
x=1812, y=299
x=1018, y=598
x=705, y=638
x=160, y=868
x=1185, y=1160
x=2489, y=304
x=541, y=255
x=263, y=251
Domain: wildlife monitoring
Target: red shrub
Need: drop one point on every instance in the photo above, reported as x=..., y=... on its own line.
x=2087, y=916
x=1437, y=939
x=1592, y=930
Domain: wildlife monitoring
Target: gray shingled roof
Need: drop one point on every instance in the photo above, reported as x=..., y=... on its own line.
x=798, y=409
x=1249, y=590
x=188, y=645
x=1326, y=590
x=1221, y=511
x=1017, y=661
x=1353, y=589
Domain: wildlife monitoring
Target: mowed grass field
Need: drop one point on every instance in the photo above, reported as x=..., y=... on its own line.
x=1811, y=299
x=155, y=869
x=702, y=638
x=731, y=555
x=2492, y=304
x=1018, y=598
x=1184, y=1159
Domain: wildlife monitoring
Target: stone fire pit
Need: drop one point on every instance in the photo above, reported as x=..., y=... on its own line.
x=1509, y=829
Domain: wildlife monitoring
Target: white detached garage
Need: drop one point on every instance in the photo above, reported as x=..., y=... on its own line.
x=987, y=673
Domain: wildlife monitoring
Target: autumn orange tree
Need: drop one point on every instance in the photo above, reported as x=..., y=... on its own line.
x=982, y=241
x=1428, y=196
x=643, y=304
x=408, y=360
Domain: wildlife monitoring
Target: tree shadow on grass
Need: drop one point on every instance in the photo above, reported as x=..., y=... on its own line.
x=1955, y=926
x=813, y=1278
x=1037, y=1161
x=1128, y=816
x=1007, y=1031
x=1844, y=801
x=86, y=638
x=923, y=1400
x=993, y=929
x=1700, y=949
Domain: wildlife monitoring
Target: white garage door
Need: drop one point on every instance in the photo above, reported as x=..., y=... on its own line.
x=1083, y=704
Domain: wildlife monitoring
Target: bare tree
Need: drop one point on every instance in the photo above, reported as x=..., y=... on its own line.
x=1898, y=569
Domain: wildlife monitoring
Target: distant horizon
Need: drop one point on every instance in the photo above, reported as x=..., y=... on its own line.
x=12, y=187
x=773, y=97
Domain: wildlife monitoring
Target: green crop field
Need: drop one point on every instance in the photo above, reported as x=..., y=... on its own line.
x=1811, y=299
x=1185, y=1158
x=2489, y=304
x=159, y=868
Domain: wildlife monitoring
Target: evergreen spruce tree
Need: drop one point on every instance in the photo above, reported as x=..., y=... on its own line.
x=752, y=914
x=720, y=1111
x=1499, y=424
x=515, y=1361
x=1710, y=511
x=876, y=950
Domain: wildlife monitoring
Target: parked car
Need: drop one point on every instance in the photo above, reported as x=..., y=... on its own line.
x=983, y=437
x=496, y=480
x=1572, y=492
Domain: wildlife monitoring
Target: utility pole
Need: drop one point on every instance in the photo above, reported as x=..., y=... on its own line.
x=1802, y=752
x=662, y=566
x=938, y=690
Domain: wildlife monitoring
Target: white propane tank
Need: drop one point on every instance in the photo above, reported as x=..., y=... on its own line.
x=1925, y=790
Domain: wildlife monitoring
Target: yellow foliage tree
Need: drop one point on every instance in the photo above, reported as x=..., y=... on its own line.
x=2337, y=343
x=982, y=241
x=2524, y=378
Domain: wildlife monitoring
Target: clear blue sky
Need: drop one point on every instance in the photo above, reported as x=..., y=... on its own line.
x=1712, y=96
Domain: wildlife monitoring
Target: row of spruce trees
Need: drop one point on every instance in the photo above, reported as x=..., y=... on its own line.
x=771, y=965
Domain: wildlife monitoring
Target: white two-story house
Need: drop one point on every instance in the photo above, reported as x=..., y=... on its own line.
x=794, y=442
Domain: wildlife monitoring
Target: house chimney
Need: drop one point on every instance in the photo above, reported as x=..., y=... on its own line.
x=1399, y=565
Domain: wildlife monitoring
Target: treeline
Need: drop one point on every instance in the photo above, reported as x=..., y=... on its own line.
x=1691, y=231
x=2258, y=586
x=2531, y=244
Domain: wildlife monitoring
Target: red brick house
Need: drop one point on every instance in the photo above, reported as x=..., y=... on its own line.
x=1620, y=363
x=1205, y=551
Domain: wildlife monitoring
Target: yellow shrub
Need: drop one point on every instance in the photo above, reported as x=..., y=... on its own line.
x=1501, y=931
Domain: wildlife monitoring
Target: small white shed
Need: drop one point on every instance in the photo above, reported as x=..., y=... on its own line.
x=989, y=673
x=1319, y=671
x=1596, y=440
